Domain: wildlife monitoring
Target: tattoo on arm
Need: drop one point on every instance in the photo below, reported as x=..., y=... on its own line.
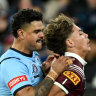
x=44, y=88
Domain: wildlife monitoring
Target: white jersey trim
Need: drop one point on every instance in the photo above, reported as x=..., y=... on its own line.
x=77, y=69
x=62, y=87
x=83, y=62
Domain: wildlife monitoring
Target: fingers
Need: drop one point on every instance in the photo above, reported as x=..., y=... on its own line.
x=66, y=61
x=69, y=61
x=61, y=58
x=53, y=61
x=57, y=56
x=48, y=61
x=50, y=58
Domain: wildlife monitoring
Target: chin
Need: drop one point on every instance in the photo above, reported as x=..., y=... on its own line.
x=89, y=49
x=39, y=48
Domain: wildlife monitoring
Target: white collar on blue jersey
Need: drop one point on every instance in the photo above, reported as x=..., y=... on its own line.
x=83, y=62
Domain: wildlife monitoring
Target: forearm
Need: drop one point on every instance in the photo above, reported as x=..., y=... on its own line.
x=56, y=91
x=61, y=94
x=40, y=90
x=44, y=87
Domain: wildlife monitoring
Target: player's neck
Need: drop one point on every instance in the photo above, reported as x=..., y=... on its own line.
x=81, y=54
x=20, y=46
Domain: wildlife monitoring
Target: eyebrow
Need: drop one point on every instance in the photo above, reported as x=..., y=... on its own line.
x=38, y=30
x=80, y=30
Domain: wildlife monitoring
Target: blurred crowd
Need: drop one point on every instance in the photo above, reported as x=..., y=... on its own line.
x=82, y=11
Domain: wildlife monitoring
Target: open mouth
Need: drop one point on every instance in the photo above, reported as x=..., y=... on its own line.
x=39, y=41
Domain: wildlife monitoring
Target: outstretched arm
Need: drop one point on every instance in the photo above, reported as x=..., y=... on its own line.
x=57, y=67
x=40, y=90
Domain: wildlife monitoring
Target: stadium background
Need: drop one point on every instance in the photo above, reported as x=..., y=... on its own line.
x=82, y=11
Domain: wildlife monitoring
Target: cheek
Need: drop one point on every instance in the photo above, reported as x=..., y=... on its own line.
x=31, y=38
x=79, y=43
x=82, y=44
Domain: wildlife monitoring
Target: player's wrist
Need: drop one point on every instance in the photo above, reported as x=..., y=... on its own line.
x=52, y=74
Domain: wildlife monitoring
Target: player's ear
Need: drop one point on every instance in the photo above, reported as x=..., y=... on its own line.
x=20, y=33
x=69, y=43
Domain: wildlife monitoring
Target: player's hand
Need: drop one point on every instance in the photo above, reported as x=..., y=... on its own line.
x=60, y=64
x=47, y=64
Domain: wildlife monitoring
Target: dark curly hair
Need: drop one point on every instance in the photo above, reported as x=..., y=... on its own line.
x=24, y=16
x=57, y=32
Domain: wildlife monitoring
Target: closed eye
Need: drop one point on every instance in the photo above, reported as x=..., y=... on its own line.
x=81, y=34
x=37, y=31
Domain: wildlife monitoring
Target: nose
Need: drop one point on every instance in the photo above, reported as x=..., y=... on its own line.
x=41, y=34
x=86, y=35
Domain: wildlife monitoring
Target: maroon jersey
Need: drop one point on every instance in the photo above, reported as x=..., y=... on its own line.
x=72, y=80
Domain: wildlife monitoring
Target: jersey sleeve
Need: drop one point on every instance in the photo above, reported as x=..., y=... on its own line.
x=15, y=75
x=67, y=81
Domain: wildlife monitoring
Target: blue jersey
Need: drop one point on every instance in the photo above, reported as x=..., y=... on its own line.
x=17, y=70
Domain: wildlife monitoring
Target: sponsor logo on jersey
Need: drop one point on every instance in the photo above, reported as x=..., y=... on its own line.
x=16, y=80
x=34, y=68
x=72, y=76
x=39, y=61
